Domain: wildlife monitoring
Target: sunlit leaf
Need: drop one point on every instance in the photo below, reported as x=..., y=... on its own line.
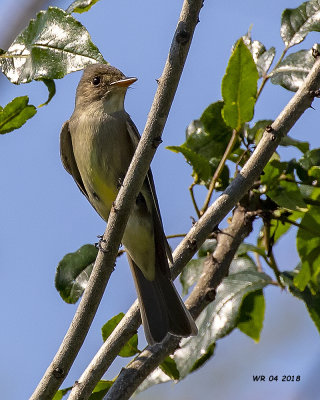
x=239, y=87
x=169, y=367
x=15, y=114
x=293, y=70
x=53, y=45
x=261, y=56
x=73, y=272
x=81, y=6
x=219, y=317
x=296, y=23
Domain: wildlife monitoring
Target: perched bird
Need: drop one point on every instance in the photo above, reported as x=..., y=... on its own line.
x=97, y=145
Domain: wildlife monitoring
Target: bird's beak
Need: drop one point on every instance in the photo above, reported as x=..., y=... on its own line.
x=124, y=82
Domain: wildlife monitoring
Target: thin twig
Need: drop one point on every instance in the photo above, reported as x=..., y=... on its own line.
x=300, y=102
x=177, y=235
x=195, y=205
x=219, y=170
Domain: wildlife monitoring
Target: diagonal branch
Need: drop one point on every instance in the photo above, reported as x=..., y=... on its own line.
x=73, y=340
x=300, y=102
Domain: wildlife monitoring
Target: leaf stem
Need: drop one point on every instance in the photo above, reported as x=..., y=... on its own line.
x=218, y=171
x=267, y=76
x=177, y=235
x=195, y=205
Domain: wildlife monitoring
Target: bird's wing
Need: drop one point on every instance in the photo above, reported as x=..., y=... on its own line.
x=149, y=182
x=67, y=157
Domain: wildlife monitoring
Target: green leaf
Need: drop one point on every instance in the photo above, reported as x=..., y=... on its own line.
x=245, y=247
x=261, y=56
x=15, y=114
x=100, y=390
x=207, y=247
x=191, y=273
x=239, y=87
x=312, y=301
x=310, y=159
x=62, y=392
x=293, y=70
x=285, y=194
x=308, y=246
x=204, y=358
x=202, y=170
x=53, y=45
x=210, y=135
x=252, y=315
x=296, y=23
x=81, y=6
x=73, y=272
x=51, y=86
x=169, y=367
x=220, y=317
x=131, y=347
x=289, y=141
x=255, y=133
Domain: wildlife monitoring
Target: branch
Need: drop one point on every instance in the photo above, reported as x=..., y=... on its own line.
x=215, y=270
x=301, y=101
x=151, y=138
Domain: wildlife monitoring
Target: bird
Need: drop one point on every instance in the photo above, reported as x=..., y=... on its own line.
x=97, y=144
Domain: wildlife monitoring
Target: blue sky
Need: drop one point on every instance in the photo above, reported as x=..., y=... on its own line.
x=44, y=216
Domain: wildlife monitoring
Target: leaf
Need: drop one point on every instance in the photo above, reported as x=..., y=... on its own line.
x=51, y=86
x=131, y=347
x=204, y=358
x=255, y=133
x=202, y=170
x=245, y=247
x=252, y=315
x=310, y=159
x=296, y=23
x=289, y=141
x=261, y=56
x=81, y=6
x=239, y=87
x=101, y=390
x=62, y=392
x=53, y=45
x=293, y=70
x=312, y=301
x=207, y=247
x=308, y=246
x=210, y=135
x=219, y=318
x=285, y=194
x=15, y=114
x=73, y=272
x=191, y=274
x=169, y=367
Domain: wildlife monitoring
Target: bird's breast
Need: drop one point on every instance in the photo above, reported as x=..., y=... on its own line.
x=103, y=152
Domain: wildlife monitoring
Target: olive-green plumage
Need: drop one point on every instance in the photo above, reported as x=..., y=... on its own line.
x=97, y=145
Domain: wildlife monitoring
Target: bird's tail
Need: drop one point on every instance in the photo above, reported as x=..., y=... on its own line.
x=162, y=309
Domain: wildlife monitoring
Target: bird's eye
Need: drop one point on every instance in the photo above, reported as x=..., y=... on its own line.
x=96, y=80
